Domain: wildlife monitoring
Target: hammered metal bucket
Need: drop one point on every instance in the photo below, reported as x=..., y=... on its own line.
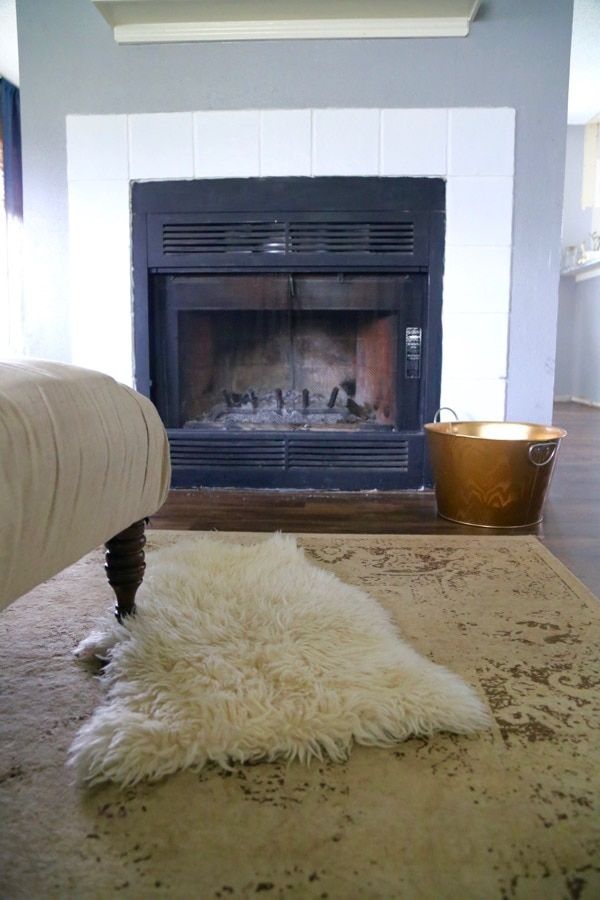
x=492, y=474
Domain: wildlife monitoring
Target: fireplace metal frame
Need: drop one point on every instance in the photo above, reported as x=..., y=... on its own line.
x=346, y=460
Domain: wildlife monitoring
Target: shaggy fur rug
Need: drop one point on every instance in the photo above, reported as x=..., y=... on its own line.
x=239, y=653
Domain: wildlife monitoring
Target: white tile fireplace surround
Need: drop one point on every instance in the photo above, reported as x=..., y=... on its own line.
x=473, y=149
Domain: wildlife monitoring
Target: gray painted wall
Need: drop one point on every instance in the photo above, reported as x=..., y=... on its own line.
x=578, y=332
x=578, y=344
x=517, y=55
x=576, y=222
x=586, y=343
x=565, y=340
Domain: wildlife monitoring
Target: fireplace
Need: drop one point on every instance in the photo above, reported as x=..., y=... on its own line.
x=289, y=329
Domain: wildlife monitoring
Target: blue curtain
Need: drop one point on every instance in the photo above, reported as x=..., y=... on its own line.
x=11, y=144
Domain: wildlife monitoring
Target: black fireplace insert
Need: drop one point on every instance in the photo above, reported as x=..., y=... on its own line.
x=289, y=329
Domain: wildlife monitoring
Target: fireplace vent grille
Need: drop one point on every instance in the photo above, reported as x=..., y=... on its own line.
x=272, y=237
x=224, y=451
x=227, y=451
x=348, y=454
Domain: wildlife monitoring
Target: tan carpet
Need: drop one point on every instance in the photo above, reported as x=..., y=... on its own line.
x=508, y=814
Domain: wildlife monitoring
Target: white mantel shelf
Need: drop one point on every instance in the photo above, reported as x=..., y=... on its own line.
x=168, y=21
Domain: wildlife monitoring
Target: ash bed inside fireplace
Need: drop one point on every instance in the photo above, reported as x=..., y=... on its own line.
x=289, y=330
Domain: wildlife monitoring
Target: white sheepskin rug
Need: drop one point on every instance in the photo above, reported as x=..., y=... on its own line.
x=240, y=653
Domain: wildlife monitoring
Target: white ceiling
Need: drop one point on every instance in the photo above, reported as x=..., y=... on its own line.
x=9, y=59
x=584, y=88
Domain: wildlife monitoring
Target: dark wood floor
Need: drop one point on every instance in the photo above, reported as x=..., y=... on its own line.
x=571, y=526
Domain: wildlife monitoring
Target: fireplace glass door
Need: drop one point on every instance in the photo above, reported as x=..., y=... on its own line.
x=288, y=351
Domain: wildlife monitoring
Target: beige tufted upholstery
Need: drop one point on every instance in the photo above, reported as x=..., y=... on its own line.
x=81, y=458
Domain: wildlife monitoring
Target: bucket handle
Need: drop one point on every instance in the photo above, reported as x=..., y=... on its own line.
x=437, y=417
x=549, y=445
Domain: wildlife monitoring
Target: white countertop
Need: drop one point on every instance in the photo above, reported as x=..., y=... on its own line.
x=581, y=272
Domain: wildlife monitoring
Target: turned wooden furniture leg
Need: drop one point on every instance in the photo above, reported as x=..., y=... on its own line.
x=125, y=566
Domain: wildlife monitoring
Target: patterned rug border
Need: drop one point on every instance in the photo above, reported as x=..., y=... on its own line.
x=559, y=568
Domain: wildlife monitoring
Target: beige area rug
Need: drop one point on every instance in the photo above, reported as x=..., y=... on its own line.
x=508, y=813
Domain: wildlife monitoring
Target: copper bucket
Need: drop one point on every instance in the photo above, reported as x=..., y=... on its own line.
x=492, y=474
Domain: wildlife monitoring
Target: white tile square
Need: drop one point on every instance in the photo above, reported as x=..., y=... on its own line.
x=161, y=145
x=97, y=147
x=101, y=334
x=479, y=211
x=285, y=142
x=413, y=141
x=100, y=276
x=481, y=142
x=474, y=345
x=226, y=144
x=474, y=399
x=99, y=216
x=477, y=279
x=345, y=142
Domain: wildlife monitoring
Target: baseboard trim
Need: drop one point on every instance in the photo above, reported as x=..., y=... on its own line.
x=583, y=400
x=586, y=402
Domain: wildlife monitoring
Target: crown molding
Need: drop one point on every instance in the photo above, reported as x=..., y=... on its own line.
x=172, y=21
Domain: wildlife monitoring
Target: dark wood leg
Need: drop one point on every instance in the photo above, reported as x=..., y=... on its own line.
x=125, y=566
